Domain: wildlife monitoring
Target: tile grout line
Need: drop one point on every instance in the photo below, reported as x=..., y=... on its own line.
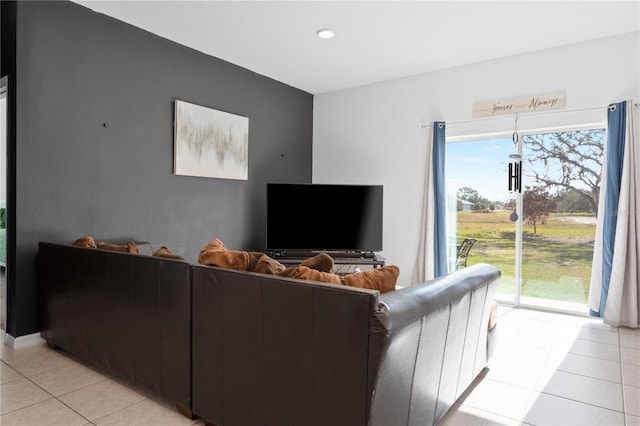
x=588, y=377
x=36, y=385
x=624, y=405
x=58, y=399
x=484, y=410
x=583, y=402
x=122, y=409
x=63, y=403
x=568, y=351
x=78, y=362
x=619, y=361
x=47, y=392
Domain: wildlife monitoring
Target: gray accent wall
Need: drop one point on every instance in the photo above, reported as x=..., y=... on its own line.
x=94, y=145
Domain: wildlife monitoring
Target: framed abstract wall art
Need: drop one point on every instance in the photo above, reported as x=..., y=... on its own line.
x=210, y=143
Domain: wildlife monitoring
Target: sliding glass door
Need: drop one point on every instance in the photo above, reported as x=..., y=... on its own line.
x=476, y=179
x=540, y=235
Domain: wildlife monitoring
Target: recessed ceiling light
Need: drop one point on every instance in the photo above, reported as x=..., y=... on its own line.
x=325, y=33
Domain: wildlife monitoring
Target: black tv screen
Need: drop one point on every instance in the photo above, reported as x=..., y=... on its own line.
x=321, y=217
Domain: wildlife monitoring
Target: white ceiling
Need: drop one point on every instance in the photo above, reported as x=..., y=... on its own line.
x=375, y=40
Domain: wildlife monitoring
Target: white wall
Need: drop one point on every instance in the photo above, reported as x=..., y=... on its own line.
x=373, y=134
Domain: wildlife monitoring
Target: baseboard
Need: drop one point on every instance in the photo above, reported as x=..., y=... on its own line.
x=23, y=341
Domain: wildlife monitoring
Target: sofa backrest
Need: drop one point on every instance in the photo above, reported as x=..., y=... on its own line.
x=130, y=314
x=272, y=350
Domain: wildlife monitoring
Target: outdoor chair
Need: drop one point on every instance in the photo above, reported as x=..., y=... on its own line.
x=463, y=252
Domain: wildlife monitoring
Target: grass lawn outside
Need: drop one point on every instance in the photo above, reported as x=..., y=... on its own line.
x=556, y=260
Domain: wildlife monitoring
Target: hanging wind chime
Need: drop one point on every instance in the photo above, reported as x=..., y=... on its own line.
x=515, y=169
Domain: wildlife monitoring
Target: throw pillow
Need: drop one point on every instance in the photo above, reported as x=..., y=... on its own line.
x=321, y=262
x=381, y=279
x=306, y=273
x=260, y=262
x=216, y=254
x=86, y=242
x=317, y=268
x=130, y=247
x=165, y=252
x=493, y=316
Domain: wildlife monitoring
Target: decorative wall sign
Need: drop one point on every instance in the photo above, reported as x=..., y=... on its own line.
x=210, y=143
x=518, y=105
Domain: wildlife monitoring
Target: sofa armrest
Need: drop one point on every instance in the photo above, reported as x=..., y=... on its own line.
x=428, y=344
x=398, y=308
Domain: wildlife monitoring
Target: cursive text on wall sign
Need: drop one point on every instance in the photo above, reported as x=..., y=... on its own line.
x=521, y=104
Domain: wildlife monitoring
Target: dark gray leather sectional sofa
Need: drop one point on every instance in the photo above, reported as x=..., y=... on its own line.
x=129, y=314
x=239, y=348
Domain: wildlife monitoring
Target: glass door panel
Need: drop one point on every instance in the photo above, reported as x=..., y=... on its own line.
x=477, y=184
x=560, y=199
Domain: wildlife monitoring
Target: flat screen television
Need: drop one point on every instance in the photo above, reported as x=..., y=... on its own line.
x=319, y=217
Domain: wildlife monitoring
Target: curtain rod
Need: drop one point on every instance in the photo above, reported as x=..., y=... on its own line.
x=528, y=114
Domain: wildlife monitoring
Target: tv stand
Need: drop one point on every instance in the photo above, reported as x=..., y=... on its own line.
x=345, y=262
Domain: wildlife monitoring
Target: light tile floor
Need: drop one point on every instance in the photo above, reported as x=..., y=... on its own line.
x=41, y=386
x=554, y=369
x=548, y=369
